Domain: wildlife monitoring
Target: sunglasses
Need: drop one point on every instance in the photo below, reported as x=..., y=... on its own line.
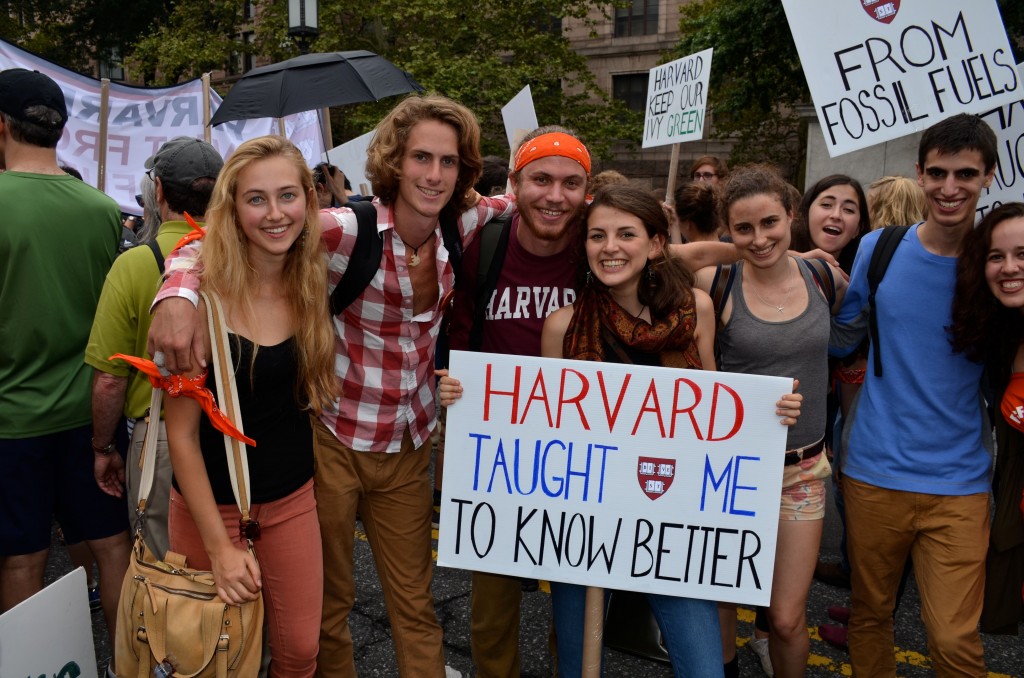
x=138, y=199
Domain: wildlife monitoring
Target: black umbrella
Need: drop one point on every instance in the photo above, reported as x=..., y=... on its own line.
x=313, y=81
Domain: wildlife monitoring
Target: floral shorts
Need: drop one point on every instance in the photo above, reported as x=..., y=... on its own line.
x=803, y=489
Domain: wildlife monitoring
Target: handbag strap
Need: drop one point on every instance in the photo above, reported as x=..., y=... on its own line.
x=227, y=396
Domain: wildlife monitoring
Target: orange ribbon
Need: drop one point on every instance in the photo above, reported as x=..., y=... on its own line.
x=196, y=233
x=191, y=387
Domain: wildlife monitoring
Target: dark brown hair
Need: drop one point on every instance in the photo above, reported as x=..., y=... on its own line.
x=982, y=327
x=802, y=241
x=672, y=286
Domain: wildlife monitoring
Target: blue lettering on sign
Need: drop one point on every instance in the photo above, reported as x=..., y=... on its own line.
x=728, y=482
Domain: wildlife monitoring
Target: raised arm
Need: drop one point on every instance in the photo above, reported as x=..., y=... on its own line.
x=173, y=337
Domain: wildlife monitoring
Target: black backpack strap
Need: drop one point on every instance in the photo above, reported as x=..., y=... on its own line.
x=885, y=248
x=493, y=245
x=157, y=254
x=452, y=239
x=821, y=272
x=365, y=260
x=721, y=288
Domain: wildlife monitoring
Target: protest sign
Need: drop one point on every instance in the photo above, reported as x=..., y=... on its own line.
x=1008, y=182
x=140, y=120
x=519, y=116
x=882, y=69
x=618, y=476
x=677, y=96
x=50, y=634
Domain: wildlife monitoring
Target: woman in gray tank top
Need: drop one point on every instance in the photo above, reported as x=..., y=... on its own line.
x=775, y=321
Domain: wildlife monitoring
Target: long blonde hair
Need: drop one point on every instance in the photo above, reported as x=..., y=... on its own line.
x=226, y=269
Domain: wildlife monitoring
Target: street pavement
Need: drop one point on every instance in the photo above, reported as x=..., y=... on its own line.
x=375, y=655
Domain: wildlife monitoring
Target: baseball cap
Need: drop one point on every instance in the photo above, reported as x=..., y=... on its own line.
x=182, y=160
x=21, y=89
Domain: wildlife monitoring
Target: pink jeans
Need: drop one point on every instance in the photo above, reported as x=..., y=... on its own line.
x=291, y=565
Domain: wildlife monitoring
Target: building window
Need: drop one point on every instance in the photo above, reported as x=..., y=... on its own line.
x=631, y=89
x=640, y=18
x=248, y=10
x=248, y=59
x=110, y=64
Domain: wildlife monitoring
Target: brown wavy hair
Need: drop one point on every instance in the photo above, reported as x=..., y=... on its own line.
x=384, y=156
x=672, y=285
x=224, y=261
x=982, y=327
x=750, y=180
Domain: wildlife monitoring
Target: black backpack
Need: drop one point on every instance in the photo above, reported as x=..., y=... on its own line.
x=369, y=248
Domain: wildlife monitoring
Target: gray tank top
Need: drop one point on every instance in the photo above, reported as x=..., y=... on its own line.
x=796, y=348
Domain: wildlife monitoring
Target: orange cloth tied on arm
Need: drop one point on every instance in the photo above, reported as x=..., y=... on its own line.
x=191, y=387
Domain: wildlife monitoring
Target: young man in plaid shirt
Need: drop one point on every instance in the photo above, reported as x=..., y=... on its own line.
x=373, y=448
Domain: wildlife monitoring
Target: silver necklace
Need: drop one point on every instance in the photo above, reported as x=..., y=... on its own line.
x=778, y=307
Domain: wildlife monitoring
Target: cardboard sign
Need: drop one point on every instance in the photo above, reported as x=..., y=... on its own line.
x=620, y=476
x=519, y=116
x=1008, y=182
x=50, y=634
x=677, y=96
x=882, y=69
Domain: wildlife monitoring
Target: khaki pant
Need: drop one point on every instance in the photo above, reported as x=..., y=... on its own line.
x=947, y=538
x=495, y=603
x=155, y=529
x=393, y=495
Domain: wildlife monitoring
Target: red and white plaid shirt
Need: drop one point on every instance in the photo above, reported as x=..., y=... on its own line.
x=384, y=353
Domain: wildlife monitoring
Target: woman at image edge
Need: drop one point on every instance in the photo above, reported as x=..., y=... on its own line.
x=988, y=325
x=776, y=322
x=637, y=306
x=262, y=256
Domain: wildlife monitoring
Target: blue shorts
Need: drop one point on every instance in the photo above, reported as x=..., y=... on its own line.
x=51, y=477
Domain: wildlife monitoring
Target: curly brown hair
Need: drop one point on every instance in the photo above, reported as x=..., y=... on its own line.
x=982, y=327
x=384, y=156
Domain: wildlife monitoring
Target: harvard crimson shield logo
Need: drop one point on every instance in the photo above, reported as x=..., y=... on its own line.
x=881, y=10
x=655, y=475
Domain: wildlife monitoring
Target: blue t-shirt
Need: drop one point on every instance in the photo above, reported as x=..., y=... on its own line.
x=919, y=427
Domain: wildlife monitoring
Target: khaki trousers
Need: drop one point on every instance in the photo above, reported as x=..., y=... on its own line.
x=495, y=602
x=947, y=538
x=394, y=497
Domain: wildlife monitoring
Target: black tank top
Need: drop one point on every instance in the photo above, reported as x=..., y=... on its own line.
x=282, y=460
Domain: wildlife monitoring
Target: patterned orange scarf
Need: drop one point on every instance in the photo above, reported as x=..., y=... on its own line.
x=598, y=323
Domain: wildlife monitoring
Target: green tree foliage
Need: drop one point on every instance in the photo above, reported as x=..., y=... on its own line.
x=481, y=54
x=756, y=78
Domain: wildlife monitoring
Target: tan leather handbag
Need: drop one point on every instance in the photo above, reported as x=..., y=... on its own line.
x=169, y=612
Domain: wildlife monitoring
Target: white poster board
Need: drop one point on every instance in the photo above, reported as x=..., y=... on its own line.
x=519, y=116
x=140, y=120
x=1008, y=183
x=882, y=69
x=677, y=97
x=619, y=476
x=351, y=158
x=50, y=634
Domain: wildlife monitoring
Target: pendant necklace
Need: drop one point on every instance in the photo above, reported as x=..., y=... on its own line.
x=414, y=260
x=778, y=307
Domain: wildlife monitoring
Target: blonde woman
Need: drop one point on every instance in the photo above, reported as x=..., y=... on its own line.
x=262, y=255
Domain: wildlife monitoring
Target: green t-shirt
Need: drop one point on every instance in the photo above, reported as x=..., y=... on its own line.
x=58, y=237
x=122, y=317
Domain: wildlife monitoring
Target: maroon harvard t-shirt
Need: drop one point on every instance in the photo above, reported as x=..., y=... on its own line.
x=529, y=289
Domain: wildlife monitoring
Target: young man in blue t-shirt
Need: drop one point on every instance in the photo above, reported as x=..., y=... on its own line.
x=915, y=478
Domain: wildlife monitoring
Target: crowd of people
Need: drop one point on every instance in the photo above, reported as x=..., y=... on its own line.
x=893, y=381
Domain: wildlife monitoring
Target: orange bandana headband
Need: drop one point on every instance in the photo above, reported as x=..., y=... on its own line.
x=553, y=143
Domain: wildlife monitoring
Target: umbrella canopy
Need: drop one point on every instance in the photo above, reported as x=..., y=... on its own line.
x=313, y=81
